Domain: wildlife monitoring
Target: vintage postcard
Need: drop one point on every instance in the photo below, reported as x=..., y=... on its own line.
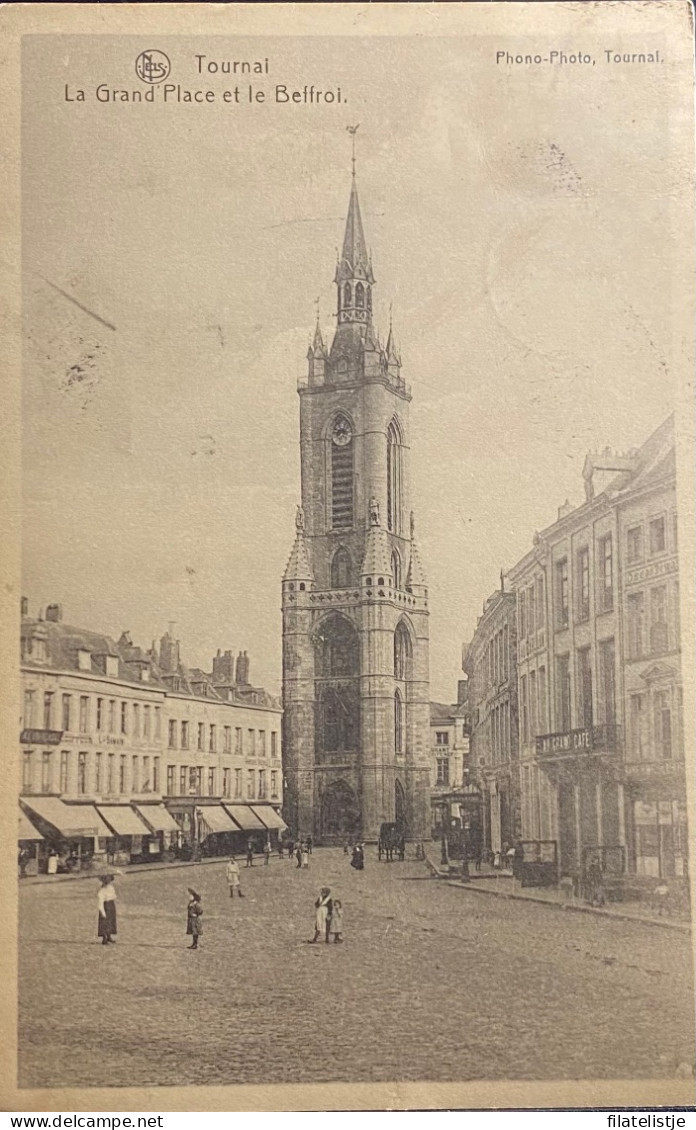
x=348, y=556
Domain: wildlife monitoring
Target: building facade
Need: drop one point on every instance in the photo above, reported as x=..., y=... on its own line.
x=490, y=662
x=449, y=763
x=599, y=671
x=138, y=745
x=354, y=597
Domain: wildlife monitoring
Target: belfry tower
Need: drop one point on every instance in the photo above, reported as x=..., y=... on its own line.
x=355, y=601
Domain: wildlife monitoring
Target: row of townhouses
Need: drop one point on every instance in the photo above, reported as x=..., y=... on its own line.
x=575, y=681
x=129, y=754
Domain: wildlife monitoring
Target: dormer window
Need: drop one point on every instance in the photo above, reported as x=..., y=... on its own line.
x=144, y=674
x=112, y=666
x=84, y=659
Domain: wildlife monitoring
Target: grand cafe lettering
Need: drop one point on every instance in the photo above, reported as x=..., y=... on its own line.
x=567, y=741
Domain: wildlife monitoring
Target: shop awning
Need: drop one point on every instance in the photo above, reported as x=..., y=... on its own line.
x=123, y=820
x=27, y=831
x=157, y=817
x=269, y=817
x=216, y=819
x=248, y=821
x=71, y=821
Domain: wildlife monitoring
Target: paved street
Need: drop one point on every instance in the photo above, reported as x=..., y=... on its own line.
x=433, y=982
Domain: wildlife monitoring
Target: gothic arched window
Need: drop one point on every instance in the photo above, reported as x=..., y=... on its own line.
x=337, y=649
x=402, y=653
x=336, y=686
x=398, y=723
x=341, y=458
x=360, y=295
x=347, y=295
x=341, y=569
x=369, y=298
x=396, y=569
x=394, y=477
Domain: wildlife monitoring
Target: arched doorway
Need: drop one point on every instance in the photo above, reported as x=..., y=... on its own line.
x=400, y=806
x=340, y=814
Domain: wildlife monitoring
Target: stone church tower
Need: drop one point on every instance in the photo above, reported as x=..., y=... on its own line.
x=355, y=601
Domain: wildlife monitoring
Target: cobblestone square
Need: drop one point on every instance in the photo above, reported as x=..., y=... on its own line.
x=432, y=983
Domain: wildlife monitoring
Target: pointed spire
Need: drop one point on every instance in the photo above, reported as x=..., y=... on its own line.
x=298, y=567
x=415, y=577
x=318, y=347
x=390, y=339
x=355, y=261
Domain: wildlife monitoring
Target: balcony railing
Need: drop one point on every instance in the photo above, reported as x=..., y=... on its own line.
x=606, y=736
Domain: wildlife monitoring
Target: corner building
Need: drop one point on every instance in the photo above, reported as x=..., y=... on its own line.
x=355, y=601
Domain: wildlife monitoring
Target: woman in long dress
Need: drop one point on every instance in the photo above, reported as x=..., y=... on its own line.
x=194, y=915
x=106, y=901
x=322, y=918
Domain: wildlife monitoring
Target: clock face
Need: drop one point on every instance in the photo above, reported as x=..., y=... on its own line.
x=341, y=432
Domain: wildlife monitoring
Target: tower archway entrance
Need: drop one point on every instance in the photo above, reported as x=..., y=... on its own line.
x=340, y=814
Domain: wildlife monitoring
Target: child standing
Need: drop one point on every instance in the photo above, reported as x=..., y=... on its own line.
x=194, y=913
x=337, y=920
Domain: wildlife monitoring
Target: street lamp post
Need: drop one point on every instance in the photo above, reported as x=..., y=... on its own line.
x=465, y=844
x=444, y=854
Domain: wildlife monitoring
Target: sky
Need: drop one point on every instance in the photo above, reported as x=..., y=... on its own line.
x=521, y=224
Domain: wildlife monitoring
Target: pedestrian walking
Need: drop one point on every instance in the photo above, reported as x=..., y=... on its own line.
x=194, y=914
x=595, y=883
x=337, y=920
x=358, y=860
x=106, y=901
x=310, y=843
x=322, y=918
x=298, y=855
x=305, y=857
x=250, y=853
x=291, y=848
x=280, y=849
x=232, y=876
x=266, y=852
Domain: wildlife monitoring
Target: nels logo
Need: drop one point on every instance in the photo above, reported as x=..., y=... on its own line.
x=152, y=66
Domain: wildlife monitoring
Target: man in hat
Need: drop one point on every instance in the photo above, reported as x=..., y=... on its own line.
x=194, y=913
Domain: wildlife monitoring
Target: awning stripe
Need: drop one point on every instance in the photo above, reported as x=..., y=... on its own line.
x=27, y=831
x=269, y=817
x=71, y=821
x=123, y=820
x=157, y=817
x=216, y=819
x=248, y=821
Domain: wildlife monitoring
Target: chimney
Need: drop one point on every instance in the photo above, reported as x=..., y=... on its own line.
x=54, y=613
x=24, y=606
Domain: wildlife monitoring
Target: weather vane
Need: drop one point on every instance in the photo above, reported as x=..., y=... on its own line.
x=352, y=130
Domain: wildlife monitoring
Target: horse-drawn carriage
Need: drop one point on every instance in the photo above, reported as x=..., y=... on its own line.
x=392, y=842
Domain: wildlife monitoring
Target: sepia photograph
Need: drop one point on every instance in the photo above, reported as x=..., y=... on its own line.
x=356, y=531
